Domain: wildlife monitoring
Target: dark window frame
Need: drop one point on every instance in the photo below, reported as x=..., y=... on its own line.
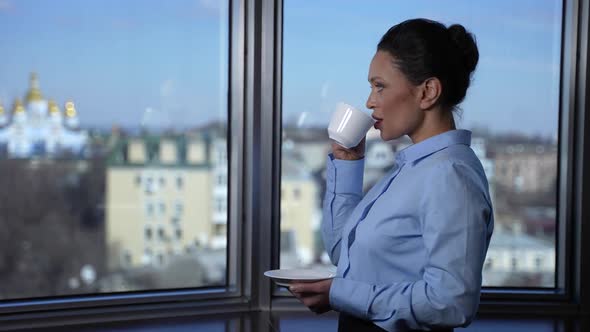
x=254, y=140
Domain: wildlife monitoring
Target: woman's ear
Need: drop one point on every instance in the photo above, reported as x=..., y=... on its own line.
x=431, y=91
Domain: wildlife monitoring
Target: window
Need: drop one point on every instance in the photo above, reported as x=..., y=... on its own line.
x=220, y=205
x=539, y=262
x=219, y=229
x=161, y=234
x=149, y=210
x=148, y=233
x=172, y=95
x=147, y=256
x=296, y=193
x=86, y=137
x=288, y=241
x=221, y=153
x=127, y=259
x=178, y=208
x=517, y=142
x=150, y=186
x=489, y=263
x=221, y=180
x=179, y=182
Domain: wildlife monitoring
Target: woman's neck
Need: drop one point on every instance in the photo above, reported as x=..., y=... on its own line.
x=434, y=122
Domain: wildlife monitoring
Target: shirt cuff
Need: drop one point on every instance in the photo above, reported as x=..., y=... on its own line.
x=345, y=176
x=424, y=312
x=350, y=297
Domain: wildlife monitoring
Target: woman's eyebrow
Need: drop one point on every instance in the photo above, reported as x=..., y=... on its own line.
x=374, y=78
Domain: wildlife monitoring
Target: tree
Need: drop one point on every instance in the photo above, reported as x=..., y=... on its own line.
x=51, y=226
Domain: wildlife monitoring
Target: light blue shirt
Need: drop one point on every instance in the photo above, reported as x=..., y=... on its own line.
x=410, y=252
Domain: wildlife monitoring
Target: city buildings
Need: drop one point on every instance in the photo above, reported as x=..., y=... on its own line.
x=161, y=198
x=166, y=194
x=522, y=251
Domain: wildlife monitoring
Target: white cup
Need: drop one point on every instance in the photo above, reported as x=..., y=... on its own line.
x=348, y=125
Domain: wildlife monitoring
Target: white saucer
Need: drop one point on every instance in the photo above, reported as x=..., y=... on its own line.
x=285, y=276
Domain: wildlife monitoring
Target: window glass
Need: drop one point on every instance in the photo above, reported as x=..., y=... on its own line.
x=111, y=116
x=512, y=108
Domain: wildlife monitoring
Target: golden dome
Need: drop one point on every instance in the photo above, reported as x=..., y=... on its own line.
x=34, y=93
x=53, y=109
x=18, y=107
x=1, y=110
x=70, y=109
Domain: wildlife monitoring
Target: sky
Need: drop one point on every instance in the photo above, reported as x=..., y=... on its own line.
x=164, y=63
x=132, y=62
x=515, y=87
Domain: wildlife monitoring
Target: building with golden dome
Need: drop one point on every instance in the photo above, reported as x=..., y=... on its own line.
x=38, y=127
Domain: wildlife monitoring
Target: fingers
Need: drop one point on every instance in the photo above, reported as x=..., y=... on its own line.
x=314, y=295
x=310, y=287
x=354, y=153
x=316, y=303
x=303, y=287
x=312, y=300
x=294, y=293
x=320, y=310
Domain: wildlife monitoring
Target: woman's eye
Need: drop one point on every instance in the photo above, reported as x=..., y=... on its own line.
x=377, y=86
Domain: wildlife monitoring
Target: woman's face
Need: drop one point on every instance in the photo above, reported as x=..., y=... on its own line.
x=393, y=99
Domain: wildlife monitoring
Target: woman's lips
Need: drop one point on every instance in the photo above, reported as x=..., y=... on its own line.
x=377, y=124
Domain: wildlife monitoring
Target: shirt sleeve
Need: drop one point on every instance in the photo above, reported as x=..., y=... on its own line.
x=344, y=190
x=457, y=223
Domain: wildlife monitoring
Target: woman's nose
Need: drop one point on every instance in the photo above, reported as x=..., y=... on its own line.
x=370, y=101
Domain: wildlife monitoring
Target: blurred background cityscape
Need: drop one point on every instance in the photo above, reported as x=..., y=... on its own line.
x=113, y=136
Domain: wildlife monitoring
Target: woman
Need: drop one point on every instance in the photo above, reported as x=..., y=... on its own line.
x=410, y=252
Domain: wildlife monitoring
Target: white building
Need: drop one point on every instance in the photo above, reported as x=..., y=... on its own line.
x=39, y=128
x=220, y=184
x=478, y=145
x=515, y=256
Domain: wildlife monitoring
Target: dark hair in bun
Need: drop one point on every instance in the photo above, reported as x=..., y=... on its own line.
x=423, y=49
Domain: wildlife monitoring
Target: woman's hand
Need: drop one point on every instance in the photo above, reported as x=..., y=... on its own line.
x=354, y=153
x=314, y=295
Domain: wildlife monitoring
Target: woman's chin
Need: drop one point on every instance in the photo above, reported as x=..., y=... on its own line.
x=385, y=135
x=390, y=136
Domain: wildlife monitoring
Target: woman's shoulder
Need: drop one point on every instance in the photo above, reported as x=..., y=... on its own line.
x=456, y=159
x=454, y=154
x=450, y=169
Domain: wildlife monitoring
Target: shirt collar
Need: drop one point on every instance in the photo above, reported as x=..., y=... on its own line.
x=432, y=145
